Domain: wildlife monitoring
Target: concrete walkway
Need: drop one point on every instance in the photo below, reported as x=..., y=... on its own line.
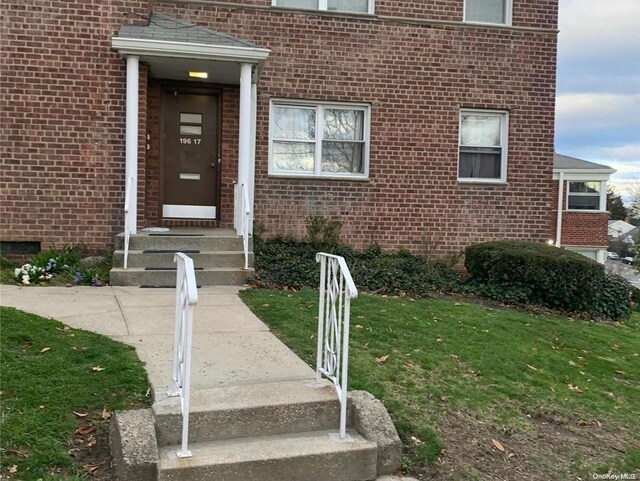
x=231, y=345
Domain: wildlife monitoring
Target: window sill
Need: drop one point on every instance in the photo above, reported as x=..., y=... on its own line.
x=479, y=182
x=338, y=13
x=319, y=177
x=487, y=24
x=587, y=211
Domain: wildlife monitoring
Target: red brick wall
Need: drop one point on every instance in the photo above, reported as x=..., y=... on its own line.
x=62, y=111
x=416, y=78
x=580, y=228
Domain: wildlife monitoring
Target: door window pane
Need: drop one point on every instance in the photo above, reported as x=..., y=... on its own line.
x=294, y=123
x=348, y=5
x=190, y=118
x=486, y=11
x=190, y=129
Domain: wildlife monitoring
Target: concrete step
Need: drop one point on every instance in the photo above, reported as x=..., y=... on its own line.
x=248, y=411
x=310, y=456
x=217, y=276
x=190, y=240
x=204, y=259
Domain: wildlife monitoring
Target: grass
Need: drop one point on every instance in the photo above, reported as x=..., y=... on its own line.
x=48, y=372
x=511, y=372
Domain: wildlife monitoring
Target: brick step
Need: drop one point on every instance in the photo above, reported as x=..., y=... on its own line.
x=248, y=411
x=204, y=259
x=309, y=456
x=216, y=276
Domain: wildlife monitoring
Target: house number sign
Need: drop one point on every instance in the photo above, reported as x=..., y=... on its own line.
x=187, y=140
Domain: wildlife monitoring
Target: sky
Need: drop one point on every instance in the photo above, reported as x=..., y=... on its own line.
x=598, y=90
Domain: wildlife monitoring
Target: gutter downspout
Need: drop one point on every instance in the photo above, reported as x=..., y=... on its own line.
x=560, y=206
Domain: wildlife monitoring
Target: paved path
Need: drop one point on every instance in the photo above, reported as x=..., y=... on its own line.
x=231, y=345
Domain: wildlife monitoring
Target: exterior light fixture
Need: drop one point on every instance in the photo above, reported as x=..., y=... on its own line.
x=198, y=74
x=550, y=242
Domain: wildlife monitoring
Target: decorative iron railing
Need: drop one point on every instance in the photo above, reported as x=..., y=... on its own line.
x=336, y=291
x=186, y=298
x=246, y=212
x=127, y=222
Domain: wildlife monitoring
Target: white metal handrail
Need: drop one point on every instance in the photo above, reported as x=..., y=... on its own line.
x=246, y=212
x=127, y=226
x=186, y=298
x=336, y=291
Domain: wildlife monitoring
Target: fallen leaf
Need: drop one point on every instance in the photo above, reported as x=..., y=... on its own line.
x=598, y=423
x=571, y=363
x=91, y=468
x=97, y=368
x=531, y=367
x=26, y=343
x=416, y=441
x=85, y=430
x=13, y=469
x=358, y=326
x=382, y=360
x=498, y=445
x=510, y=455
x=265, y=305
x=6, y=392
x=91, y=443
x=80, y=415
x=438, y=340
x=409, y=365
x=45, y=349
x=105, y=414
x=15, y=452
x=574, y=388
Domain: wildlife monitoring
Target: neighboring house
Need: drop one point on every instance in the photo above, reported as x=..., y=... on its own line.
x=399, y=118
x=619, y=228
x=581, y=199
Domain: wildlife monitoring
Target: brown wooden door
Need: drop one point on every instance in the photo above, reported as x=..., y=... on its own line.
x=190, y=156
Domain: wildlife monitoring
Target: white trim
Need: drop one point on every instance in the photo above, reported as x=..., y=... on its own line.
x=189, y=211
x=560, y=209
x=508, y=14
x=244, y=137
x=583, y=175
x=319, y=107
x=504, y=144
x=323, y=7
x=165, y=48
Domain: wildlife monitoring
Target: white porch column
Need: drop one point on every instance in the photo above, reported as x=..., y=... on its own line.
x=603, y=195
x=131, y=169
x=252, y=154
x=560, y=207
x=244, y=136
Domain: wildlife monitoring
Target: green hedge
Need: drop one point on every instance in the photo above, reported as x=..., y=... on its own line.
x=525, y=272
x=288, y=263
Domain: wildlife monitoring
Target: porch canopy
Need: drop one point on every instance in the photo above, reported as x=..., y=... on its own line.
x=173, y=48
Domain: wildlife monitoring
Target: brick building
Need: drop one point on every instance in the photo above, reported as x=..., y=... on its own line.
x=401, y=118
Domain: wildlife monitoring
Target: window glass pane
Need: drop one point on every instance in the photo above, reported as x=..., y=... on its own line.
x=342, y=157
x=190, y=118
x=294, y=156
x=348, y=5
x=482, y=130
x=590, y=254
x=190, y=129
x=489, y=11
x=311, y=4
x=480, y=165
x=585, y=187
x=294, y=123
x=340, y=124
x=586, y=202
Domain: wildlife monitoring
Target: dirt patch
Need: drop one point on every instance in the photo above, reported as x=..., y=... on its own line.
x=547, y=451
x=92, y=452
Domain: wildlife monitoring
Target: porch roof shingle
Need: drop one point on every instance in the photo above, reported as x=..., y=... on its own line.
x=165, y=28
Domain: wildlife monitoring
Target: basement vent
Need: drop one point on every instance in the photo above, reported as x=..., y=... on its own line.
x=19, y=247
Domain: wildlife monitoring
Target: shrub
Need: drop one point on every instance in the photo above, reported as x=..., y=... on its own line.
x=282, y=263
x=525, y=272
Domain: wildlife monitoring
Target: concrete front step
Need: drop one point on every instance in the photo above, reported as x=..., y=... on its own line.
x=204, y=259
x=248, y=411
x=218, y=276
x=310, y=456
x=190, y=241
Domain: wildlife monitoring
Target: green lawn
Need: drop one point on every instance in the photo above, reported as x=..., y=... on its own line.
x=561, y=396
x=48, y=372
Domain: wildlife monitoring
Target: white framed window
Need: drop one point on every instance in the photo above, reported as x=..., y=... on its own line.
x=586, y=195
x=352, y=6
x=319, y=139
x=493, y=12
x=482, y=152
